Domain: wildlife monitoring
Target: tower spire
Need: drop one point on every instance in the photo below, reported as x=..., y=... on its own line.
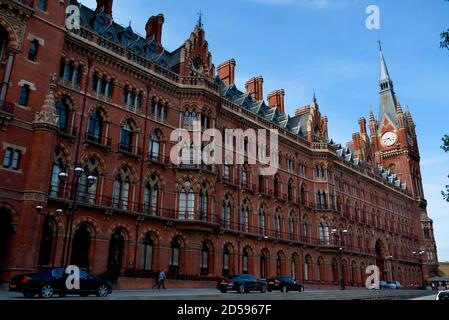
x=384, y=74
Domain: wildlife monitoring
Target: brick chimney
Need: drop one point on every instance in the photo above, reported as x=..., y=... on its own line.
x=362, y=125
x=254, y=87
x=226, y=72
x=154, y=28
x=105, y=6
x=276, y=99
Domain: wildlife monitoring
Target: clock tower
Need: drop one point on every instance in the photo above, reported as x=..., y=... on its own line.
x=393, y=135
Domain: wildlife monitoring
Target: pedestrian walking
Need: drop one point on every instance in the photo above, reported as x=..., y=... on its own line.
x=162, y=278
x=156, y=280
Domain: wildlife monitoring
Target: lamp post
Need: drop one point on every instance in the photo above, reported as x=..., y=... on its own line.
x=73, y=196
x=340, y=256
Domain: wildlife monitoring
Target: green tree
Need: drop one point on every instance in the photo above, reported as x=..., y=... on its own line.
x=445, y=147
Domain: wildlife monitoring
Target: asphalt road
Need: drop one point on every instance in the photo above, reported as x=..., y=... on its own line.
x=213, y=294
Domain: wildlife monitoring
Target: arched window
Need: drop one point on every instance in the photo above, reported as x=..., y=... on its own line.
x=62, y=110
x=155, y=147
x=80, y=247
x=335, y=272
x=226, y=260
x=187, y=201
x=291, y=226
x=126, y=137
x=205, y=256
x=47, y=242
x=58, y=167
x=4, y=41
x=276, y=186
x=87, y=191
x=245, y=260
x=320, y=269
x=95, y=130
x=279, y=262
x=175, y=256
x=226, y=213
x=244, y=217
x=305, y=231
x=147, y=253
x=122, y=185
x=151, y=196
x=324, y=232
x=303, y=195
x=263, y=264
x=203, y=202
x=116, y=253
x=277, y=223
x=291, y=190
x=262, y=218
x=307, y=268
x=294, y=264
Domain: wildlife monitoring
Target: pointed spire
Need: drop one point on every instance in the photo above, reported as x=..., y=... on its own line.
x=384, y=74
x=371, y=115
x=314, y=96
x=200, y=19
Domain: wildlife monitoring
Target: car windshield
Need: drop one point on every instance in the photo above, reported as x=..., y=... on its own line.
x=57, y=273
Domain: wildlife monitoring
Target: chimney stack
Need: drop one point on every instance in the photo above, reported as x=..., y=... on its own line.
x=105, y=6
x=154, y=28
x=254, y=87
x=276, y=99
x=362, y=125
x=226, y=72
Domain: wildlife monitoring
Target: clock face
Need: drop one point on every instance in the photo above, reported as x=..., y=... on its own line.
x=389, y=139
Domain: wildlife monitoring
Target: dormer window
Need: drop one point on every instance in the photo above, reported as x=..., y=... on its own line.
x=197, y=65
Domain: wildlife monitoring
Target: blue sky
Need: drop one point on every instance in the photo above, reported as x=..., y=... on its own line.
x=323, y=45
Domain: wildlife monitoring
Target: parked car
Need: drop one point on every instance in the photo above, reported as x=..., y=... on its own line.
x=52, y=281
x=284, y=284
x=443, y=295
x=383, y=285
x=243, y=283
x=395, y=285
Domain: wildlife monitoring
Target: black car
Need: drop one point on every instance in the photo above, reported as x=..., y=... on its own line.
x=284, y=284
x=52, y=281
x=243, y=283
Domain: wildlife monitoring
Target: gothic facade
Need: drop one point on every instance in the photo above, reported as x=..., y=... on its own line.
x=86, y=118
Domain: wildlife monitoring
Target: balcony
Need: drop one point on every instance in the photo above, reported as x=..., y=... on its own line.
x=129, y=151
x=203, y=168
x=158, y=158
x=68, y=133
x=97, y=141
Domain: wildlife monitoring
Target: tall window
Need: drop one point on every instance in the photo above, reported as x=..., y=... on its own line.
x=58, y=167
x=262, y=218
x=34, y=47
x=205, y=259
x=291, y=191
x=47, y=242
x=11, y=159
x=324, y=232
x=155, y=147
x=4, y=39
x=303, y=195
x=277, y=223
x=24, y=95
x=203, y=203
x=226, y=258
x=95, y=130
x=245, y=260
x=158, y=111
x=305, y=231
x=307, y=266
x=147, y=253
x=263, y=264
x=88, y=190
x=151, y=195
x=291, y=226
x=42, y=5
x=175, y=256
x=189, y=118
x=62, y=110
x=122, y=188
x=126, y=137
x=226, y=213
x=244, y=217
x=187, y=201
x=279, y=259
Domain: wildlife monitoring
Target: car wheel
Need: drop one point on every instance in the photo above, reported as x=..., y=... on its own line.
x=263, y=289
x=103, y=291
x=223, y=291
x=284, y=289
x=241, y=289
x=28, y=295
x=46, y=292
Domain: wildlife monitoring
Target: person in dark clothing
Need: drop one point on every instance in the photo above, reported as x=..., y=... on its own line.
x=156, y=280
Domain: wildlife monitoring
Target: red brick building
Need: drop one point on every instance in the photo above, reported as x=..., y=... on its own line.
x=86, y=116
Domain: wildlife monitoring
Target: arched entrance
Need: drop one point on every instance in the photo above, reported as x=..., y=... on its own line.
x=380, y=258
x=5, y=234
x=115, y=259
x=80, y=249
x=47, y=242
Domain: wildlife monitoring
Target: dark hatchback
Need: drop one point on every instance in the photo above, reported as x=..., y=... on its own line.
x=243, y=283
x=284, y=284
x=52, y=281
